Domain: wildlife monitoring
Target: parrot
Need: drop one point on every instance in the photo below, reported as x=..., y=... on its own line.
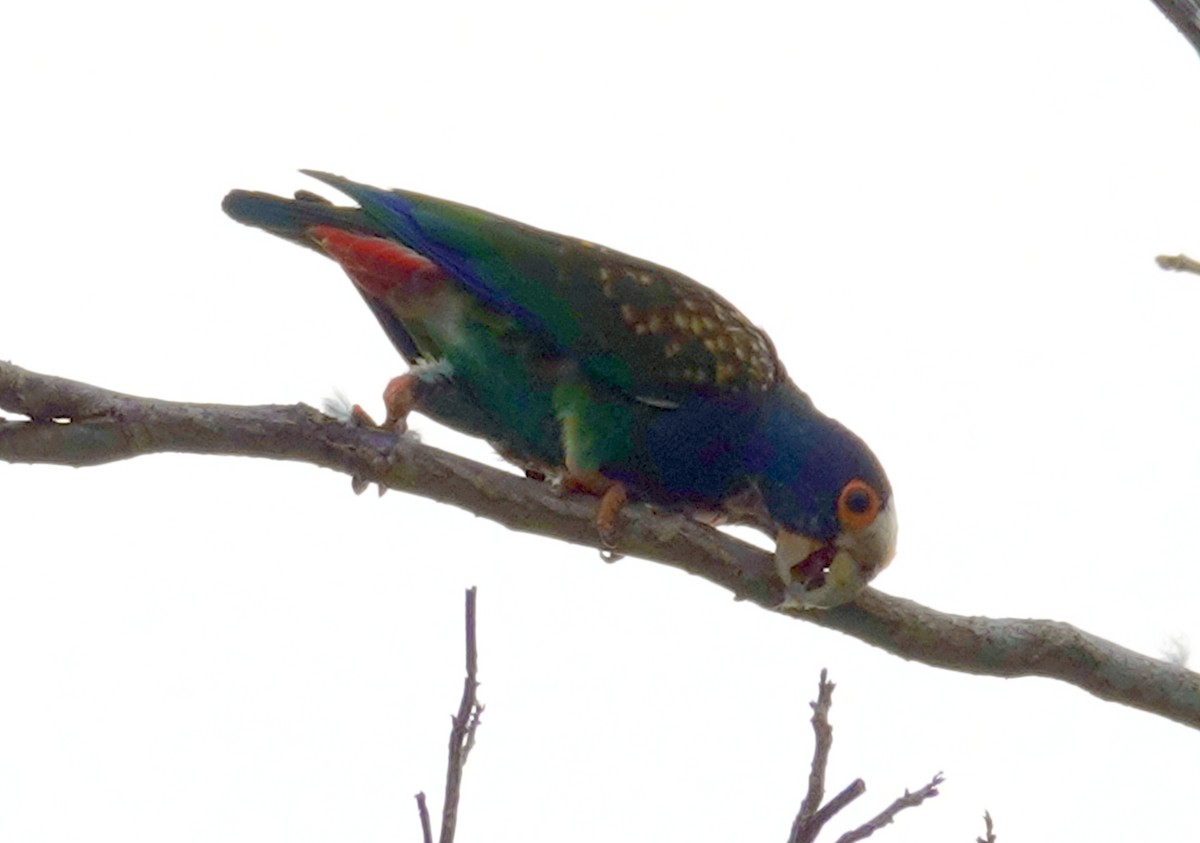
x=619, y=377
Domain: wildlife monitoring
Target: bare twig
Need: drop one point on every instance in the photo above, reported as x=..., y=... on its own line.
x=423, y=811
x=811, y=819
x=847, y=795
x=107, y=426
x=1179, y=263
x=987, y=822
x=888, y=814
x=462, y=733
x=803, y=829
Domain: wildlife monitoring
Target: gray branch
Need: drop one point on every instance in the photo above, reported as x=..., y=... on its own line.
x=804, y=828
x=888, y=815
x=462, y=731
x=71, y=423
x=1185, y=14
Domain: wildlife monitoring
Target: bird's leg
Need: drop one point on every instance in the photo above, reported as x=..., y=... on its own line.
x=611, y=503
x=399, y=399
x=402, y=284
x=612, y=494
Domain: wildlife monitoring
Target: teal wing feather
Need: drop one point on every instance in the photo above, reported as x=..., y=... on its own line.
x=634, y=326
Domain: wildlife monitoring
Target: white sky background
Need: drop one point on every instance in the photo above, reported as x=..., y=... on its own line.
x=945, y=215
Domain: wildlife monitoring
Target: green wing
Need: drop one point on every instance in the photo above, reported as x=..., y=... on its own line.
x=630, y=324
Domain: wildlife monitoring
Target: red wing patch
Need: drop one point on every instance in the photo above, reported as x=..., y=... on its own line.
x=378, y=266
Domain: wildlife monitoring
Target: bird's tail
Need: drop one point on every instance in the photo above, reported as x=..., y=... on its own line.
x=293, y=219
x=313, y=221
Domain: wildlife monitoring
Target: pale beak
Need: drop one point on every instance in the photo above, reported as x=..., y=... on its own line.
x=823, y=574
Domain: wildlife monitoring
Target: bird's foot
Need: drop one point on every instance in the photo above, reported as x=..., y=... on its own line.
x=613, y=496
x=360, y=417
x=399, y=399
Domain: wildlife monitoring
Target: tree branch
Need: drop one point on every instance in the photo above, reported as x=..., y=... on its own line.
x=1179, y=263
x=991, y=835
x=888, y=814
x=423, y=814
x=1185, y=14
x=462, y=732
x=811, y=819
x=804, y=829
x=102, y=426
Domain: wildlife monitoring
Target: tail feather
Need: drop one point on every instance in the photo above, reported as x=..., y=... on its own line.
x=292, y=219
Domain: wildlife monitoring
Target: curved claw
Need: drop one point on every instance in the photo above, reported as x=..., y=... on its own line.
x=361, y=417
x=399, y=398
x=613, y=496
x=611, y=503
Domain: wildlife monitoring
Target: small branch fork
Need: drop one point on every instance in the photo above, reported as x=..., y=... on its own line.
x=71, y=423
x=462, y=739
x=805, y=827
x=888, y=814
x=811, y=818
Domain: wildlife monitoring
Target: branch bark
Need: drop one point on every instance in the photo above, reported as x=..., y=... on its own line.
x=1185, y=14
x=888, y=815
x=72, y=423
x=804, y=828
x=812, y=819
x=1179, y=263
x=462, y=732
x=423, y=813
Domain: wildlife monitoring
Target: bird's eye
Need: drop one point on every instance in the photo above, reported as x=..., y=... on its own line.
x=857, y=505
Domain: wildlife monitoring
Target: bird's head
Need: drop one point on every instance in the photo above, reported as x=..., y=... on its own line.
x=829, y=502
x=822, y=571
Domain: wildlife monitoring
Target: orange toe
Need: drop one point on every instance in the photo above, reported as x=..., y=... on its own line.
x=606, y=516
x=613, y=497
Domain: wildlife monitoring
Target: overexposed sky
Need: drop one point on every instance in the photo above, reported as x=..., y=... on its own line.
x=946, y=217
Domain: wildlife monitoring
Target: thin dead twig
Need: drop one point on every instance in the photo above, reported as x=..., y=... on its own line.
x=423, y=811
x=847, y=795
x=462, y=738
x=462, y=732
x=811, y=818
x=805, y=827
x=888, y=814
x=987, y=822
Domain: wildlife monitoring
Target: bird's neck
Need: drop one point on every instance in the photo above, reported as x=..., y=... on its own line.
x=796, y=448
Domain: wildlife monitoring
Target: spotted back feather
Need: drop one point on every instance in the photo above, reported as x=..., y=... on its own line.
x=631, y=324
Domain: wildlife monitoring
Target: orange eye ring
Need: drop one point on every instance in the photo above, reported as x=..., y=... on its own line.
x=857, y=505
